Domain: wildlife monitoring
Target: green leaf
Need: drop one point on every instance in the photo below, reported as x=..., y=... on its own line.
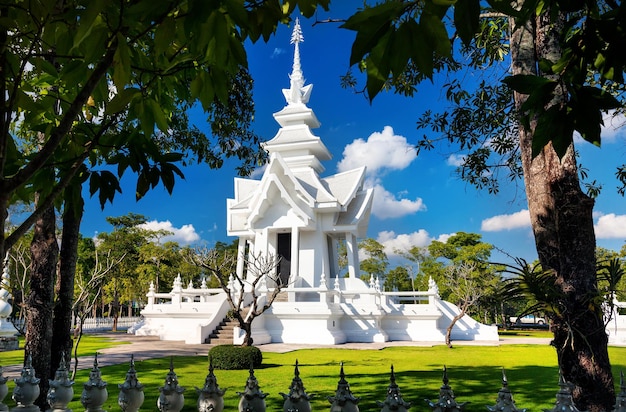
x=164, y=34
x=158, y=115
x=586, y=112
x=525, y=83
x=238, y=51
x=121, y=63
x=400, y=47
x=108, y=186
x=73, y=72
x=435, y=31
x=375, y=81
x=171, y=157
x=371, y=24
x=146, y=118
x=237, y=12
x=505, y=7
x=88, y=20
x=380, y=58
x=143, y=185
x=536, y=101
x=466, y=19
x=421, y=50
x=553, y=126
x=13, y=157
x=121, y=100
x=603, y=99
x=45, y=66
x=220, y=85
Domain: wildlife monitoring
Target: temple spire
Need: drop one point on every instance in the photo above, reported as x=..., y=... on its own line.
x=298, y=92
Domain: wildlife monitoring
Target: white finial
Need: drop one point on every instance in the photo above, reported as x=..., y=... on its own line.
x=296, y=36
x=298, y=92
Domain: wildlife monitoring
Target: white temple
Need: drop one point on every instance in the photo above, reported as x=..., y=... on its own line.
x=294, y=213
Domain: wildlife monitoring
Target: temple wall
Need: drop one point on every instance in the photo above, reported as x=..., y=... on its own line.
x=309, y=264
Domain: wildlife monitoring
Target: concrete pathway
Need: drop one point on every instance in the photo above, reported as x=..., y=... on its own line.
x=149, y=347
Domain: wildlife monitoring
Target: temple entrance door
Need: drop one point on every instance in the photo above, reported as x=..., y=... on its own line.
x=284, y=253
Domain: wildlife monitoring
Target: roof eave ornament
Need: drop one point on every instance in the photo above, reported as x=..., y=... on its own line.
x=297, y=93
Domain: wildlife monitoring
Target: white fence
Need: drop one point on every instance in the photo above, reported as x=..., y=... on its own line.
x=95, y=324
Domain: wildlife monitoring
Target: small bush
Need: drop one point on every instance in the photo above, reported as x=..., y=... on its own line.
x=235, y=357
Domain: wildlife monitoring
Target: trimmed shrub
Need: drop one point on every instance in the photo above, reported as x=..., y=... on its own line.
x=235, y=357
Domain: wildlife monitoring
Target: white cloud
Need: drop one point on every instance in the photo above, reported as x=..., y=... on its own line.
x=455, y=160
x=397, y=243
x=611, y=226
x=402, y=242
x=382, y=151
x=258, y=172
x=386, y=205
x=277, y=52
x=183, y=235
x=613, y=127
x=498, y=223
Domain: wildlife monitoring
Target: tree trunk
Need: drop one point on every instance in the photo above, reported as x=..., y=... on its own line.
x=62, y=337
x=562, y=223
x=114, y=311
x=44, y=251
x=451, y=326
x=247, y=338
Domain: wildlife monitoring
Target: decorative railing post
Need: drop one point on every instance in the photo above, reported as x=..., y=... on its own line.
x=210, y=397
x=505, y=402
x=297, y=399
x=337, y=288
x=394, y=401
x=433, y=291
x=344, y=400
x=151, y=295
x=447, y=401
x=95, y=392
x=564, y=399
x=26, y=389
x=203, y=287
x=171, y=398
x=177, y=291
x=61, y=390
x=4, y=391
x=131, y=395
x=252, y=398
x=8, y=333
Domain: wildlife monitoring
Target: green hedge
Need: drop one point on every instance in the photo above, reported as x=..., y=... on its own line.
x=235, y=357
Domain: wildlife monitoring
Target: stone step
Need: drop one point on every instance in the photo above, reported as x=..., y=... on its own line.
x=282, y=297
x=223, y=333
x=221, y=341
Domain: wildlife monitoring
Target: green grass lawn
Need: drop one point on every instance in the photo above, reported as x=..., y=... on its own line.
x=525, y=333
x=88, y=346
x=474, y=373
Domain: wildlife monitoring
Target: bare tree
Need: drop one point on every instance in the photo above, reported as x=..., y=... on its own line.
x=248, y=295
x=465, y=285
x=89, y=292
x=20, y=257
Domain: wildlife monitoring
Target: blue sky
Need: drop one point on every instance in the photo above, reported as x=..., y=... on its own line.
x=417, y=199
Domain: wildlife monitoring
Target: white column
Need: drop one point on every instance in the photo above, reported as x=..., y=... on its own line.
x=325, y=269
x=334, y=257
x=241, y=257
x=353, y=255
x=295, y=253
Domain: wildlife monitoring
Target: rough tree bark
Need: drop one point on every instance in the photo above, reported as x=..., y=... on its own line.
x=62, y=321
x=44, y=251
x=562, y=223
